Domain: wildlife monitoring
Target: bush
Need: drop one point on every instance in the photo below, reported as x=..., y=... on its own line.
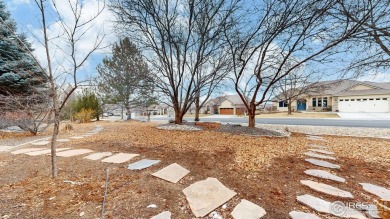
x=85, y=115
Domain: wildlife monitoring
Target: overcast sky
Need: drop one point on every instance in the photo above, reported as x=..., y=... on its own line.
x=25, y=13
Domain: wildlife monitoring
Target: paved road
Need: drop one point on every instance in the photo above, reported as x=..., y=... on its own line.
x=309, y=122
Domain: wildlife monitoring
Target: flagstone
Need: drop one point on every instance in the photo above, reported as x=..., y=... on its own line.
x=119, y=158
x=247, y=210
x=77, y=137
x=63, y=140
x=172, y=173
x=379, y=191
x=6, y=148
x=98, y=156
x=142, y=164
x=311, y=154
x=75, y=152
x=326, y=189
x=322, y=163
x=318, y=146
x=317, y=139
x=336, y=208
x=41, y=143
x=322, y=151
x=163, y=215
x=207, y=195
x=43, y=152
x=302, y=215
x=26, y=150
x=324, y=175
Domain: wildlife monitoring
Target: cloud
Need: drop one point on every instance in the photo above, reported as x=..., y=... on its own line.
x=86, y=37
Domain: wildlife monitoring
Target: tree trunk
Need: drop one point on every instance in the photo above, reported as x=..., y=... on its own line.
x=289, y=107
x=197, y=109
x=54, y=143
x=251, y=115
x=128, y=112
x=178, y=117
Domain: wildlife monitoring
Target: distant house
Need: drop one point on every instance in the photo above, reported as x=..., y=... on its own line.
x=342, y=96
x=225, y=105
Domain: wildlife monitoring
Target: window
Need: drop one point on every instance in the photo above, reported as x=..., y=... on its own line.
x=371, y=99
x=341, y=100
x=346, y=99
x=314, y=102
x=364, y=99
x=352, y=99
x=378, y=99
x=319, y=102
x=283, y=104
x=384, y=98
x=358, y=99
x=325, y=102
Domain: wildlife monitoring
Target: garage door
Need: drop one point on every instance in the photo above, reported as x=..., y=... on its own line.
x=375, y=105
x=226, y=111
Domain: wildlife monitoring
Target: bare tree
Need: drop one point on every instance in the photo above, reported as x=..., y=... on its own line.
x=74, y=31
x=178, y=38
x=371, y=44
x=275, y=37
x=30, y=112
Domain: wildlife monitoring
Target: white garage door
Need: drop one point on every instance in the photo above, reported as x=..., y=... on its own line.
x=376, y=105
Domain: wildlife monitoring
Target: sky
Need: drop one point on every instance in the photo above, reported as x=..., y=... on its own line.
x=25, y=13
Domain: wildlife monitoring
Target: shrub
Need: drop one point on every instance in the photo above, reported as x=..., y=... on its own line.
x=85, y=115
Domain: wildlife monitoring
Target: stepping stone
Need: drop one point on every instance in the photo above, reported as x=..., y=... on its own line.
x=302, y=215
x=98, y=156
x=207, y=195
x=119, y=158
x=43, y=152
x=6, y=148
x=322, y=163
x=172, y=173
x=311, y=154
x=324, y=175
x=336, y=208
x=379, y=191
x=322, y=151
x=63, y=140
x=142, y=164
x=26, y=150
x=247, y=210
x=41, y=143
x=326, y=189
x=372, y=211
x=163, y=215
x=75, y=152
x=318, y=146
x=77, y=137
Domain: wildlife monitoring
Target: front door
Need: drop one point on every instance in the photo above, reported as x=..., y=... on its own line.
x=301, y=105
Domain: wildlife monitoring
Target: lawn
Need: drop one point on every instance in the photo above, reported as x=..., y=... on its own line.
x=263, y=170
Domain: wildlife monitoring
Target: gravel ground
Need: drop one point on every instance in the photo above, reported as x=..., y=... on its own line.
x=331, y=130
x=226, y=128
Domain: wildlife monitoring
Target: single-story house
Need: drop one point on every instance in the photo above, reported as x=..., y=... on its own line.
x=225, y=105
x=342, y=96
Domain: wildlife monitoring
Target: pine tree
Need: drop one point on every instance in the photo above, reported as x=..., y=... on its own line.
x=126, y=78
x=19, y=72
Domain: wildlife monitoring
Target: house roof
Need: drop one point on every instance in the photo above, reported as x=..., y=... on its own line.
x=343, y=88
x=234, y=99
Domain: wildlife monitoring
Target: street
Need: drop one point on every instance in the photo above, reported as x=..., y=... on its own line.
x=295, y=121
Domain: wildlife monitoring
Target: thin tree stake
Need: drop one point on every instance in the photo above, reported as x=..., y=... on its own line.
x=105, y=194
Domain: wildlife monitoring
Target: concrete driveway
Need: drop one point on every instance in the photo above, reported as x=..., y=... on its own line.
x=365, y=116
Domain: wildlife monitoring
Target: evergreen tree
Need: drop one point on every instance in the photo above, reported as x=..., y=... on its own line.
x=19, y=72
x=126, y=78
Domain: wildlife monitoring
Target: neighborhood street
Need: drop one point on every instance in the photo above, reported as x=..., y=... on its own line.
x=296, y=121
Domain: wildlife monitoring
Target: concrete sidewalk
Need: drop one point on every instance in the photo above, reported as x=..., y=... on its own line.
x=365, y=116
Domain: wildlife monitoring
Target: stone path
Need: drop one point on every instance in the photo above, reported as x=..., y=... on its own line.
x=338, y=208
x=203, y=196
